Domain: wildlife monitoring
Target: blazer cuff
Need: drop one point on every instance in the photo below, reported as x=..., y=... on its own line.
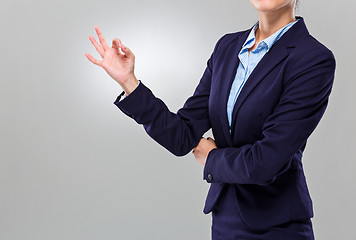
x=209, y=175
x=132, y=105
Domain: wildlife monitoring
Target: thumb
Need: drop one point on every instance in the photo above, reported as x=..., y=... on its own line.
x=127, y=51
x=116, y=43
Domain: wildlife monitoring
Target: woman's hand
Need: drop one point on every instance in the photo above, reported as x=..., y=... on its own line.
x=203, y=148
x=120, y=66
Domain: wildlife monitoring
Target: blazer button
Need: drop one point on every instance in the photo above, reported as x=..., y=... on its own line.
x=210, y=177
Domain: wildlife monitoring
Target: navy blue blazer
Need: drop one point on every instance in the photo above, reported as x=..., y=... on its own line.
x=278, y=108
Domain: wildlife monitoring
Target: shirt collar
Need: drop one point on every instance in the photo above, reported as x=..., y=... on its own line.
x=267, y=42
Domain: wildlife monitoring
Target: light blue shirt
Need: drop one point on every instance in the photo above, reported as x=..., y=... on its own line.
x=249, y=62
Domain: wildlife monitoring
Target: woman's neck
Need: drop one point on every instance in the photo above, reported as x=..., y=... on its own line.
x=270, y=22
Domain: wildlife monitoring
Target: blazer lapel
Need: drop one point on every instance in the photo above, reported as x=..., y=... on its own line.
x=230, y=70
x=266, y=64
x=278, y=52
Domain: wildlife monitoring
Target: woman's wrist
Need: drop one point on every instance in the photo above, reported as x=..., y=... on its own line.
x=130, y=85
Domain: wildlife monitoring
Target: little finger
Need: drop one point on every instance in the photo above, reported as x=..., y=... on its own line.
x=92, y=59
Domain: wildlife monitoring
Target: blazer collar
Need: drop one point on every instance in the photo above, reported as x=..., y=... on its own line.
x=278, y=52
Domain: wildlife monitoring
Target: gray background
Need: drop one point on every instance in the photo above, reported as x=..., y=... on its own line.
x=73, y=166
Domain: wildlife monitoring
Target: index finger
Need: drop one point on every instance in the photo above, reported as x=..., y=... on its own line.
x=101, y=38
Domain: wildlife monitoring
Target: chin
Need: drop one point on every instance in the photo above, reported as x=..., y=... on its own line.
x=271, y=5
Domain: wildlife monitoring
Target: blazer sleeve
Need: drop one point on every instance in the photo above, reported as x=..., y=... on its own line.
x=178, y=132
x=301, y=106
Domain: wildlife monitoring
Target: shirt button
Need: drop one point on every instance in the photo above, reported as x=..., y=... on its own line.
x=210, y=177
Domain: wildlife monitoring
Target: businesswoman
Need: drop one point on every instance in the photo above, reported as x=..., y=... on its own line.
x=263, y=92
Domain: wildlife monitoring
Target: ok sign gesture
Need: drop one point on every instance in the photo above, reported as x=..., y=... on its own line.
x=118, y=64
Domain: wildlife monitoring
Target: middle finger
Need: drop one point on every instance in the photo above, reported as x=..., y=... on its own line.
x=101, y=38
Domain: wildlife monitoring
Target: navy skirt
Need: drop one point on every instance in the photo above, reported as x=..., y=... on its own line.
x=228, y=225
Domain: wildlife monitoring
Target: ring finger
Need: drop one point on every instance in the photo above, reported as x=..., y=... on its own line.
x=97, y=46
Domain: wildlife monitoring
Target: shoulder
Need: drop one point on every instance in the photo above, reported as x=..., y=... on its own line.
x=309, y=53
x=309, y=47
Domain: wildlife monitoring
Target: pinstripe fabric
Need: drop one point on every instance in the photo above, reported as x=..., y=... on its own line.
x=249, y=62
